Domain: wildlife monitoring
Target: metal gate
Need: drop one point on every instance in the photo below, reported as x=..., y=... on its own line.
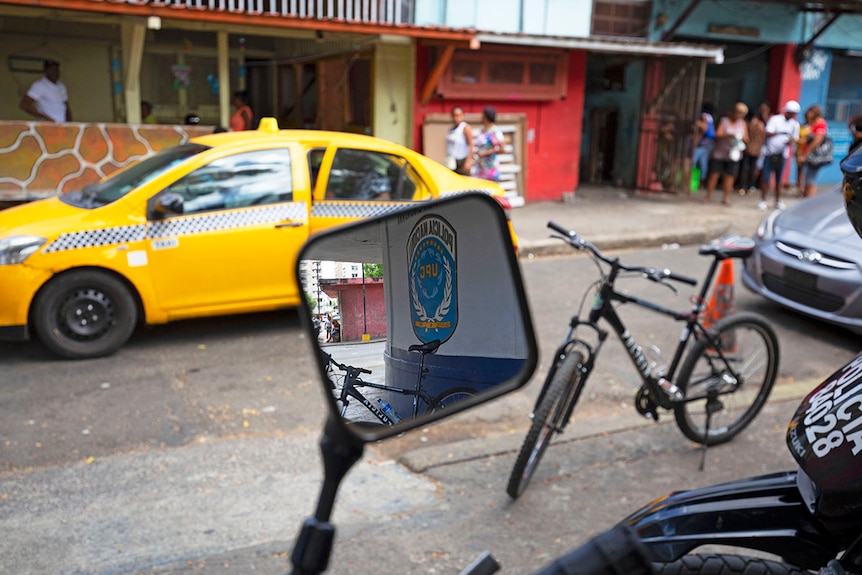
x=673, y=91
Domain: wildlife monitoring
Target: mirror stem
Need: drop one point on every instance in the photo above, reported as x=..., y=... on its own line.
x=314, y=543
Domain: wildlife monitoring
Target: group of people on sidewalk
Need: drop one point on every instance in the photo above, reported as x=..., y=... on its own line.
x=749, y=151
x=475, y=155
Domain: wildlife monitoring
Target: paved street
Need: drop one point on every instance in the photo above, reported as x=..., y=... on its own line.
x=201, y=454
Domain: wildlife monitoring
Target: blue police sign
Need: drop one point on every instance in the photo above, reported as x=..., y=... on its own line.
x=433, y=271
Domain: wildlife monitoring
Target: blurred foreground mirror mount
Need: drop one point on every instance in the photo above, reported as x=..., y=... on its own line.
x=416, y=315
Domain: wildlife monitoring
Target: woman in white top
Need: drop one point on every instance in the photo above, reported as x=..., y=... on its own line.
x=459, y=144
x=731, y=136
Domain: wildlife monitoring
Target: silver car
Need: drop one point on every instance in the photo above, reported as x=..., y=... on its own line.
x=808, y=258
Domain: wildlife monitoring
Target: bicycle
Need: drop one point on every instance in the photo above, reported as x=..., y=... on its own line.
x=351, y=382
x=729, y=369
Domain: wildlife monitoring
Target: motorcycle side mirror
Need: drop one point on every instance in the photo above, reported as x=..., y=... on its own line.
x=433, y=319
x=417, y=315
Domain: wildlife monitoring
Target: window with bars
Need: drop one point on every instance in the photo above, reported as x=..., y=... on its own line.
x=621, y=18
x=527, y=75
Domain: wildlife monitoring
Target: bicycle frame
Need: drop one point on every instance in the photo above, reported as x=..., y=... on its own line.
x=352, y=381
x=603, y=309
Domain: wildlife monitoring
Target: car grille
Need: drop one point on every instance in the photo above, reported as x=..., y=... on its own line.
x=815, y=257
x=805, y=296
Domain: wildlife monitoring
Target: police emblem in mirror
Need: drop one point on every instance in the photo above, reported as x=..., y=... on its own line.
x=433, y=270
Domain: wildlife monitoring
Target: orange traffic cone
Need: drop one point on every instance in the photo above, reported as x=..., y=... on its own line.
x=722, y=304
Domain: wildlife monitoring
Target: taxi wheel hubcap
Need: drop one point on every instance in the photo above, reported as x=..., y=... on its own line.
x=86, y=314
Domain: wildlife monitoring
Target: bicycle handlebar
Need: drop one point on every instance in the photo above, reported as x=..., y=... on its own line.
x=343, y=367
x=654, y=274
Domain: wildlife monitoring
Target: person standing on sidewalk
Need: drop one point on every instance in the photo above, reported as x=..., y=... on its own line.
x=749, y=176
x=48, y=99
x=731, y=137
x=243, y=117
x=705, y=138
x=815, y=137
x=459, y=144
x=488, y=144
x=781, y=131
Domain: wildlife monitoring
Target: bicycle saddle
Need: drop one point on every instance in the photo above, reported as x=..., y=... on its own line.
x=733, y=246
x=429, y=347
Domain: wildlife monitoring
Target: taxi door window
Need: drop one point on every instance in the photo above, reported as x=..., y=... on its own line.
x=248, y=179
x=367, y=175
x=315, y=159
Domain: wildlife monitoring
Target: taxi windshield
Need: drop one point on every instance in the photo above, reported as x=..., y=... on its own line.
x=118, y=185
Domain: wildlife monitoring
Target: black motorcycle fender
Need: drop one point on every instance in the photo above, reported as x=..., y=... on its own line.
x=765, y=513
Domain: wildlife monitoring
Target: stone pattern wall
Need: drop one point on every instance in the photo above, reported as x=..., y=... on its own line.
x=41, y=159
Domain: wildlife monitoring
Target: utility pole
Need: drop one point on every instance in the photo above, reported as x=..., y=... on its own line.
x=365, y=336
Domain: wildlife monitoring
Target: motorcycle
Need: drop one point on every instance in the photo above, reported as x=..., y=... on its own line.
x=811, y=517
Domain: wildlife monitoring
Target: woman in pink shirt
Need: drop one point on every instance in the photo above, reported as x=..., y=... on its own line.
x=819, y=128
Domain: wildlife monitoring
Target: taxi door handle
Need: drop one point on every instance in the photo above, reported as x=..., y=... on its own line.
x=289, y=225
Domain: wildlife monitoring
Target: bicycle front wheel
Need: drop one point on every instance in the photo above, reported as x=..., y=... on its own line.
x=734, y=388
x=563, y=389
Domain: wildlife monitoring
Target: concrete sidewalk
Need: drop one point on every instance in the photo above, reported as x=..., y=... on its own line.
x=614, y=218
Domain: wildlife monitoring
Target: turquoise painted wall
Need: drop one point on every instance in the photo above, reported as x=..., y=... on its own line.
x=815, y=90
x=628, y=103
x=843, y=33
x=569, y=18
x=775, y=23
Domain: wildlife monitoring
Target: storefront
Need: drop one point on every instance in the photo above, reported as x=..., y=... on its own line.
x=572, y=106
x=113, y=56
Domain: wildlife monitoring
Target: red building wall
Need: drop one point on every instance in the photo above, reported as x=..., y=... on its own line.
x=357, y=312
x=554, y=150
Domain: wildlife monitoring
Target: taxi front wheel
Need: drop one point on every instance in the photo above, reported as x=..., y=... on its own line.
x=85, y=313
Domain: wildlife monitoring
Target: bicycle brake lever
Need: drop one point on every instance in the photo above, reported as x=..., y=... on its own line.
x=658, y=276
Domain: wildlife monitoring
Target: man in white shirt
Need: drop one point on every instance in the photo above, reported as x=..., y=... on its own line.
x=782, y=130
x=47, y=98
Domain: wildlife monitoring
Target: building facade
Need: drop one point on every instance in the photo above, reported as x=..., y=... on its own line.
x=588, y=91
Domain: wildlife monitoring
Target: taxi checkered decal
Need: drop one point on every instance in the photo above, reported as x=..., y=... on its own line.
x=356, y=209
x=93, y=238
x=188, y=225
x=180, y=226
x=461, y=192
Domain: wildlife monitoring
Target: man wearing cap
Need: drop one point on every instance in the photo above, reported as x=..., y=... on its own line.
x=781, y=130
x=47, y=98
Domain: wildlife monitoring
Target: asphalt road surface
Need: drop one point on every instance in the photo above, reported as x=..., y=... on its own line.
x=193, y=449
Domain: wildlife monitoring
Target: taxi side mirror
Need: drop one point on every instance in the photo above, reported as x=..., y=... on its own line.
x=167, y=205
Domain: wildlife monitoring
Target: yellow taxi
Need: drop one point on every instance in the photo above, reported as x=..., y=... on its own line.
x=209, y=227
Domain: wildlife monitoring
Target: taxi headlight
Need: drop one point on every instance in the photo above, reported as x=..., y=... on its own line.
x=16, y=249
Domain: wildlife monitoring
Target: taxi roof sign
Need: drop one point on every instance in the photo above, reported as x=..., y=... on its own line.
x=268, y=125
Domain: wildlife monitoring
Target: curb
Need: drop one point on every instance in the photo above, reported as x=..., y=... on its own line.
x=683, y=237
x=580, y=429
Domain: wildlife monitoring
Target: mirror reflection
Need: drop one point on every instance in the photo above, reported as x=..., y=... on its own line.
x=419, y=314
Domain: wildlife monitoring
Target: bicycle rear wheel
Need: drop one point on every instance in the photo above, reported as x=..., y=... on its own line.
x=750, y=346
x=452, y=397
x=563, y=389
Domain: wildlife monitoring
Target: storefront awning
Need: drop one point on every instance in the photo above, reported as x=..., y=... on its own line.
x=609, y=45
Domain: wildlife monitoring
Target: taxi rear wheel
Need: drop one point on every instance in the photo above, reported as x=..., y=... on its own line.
x=84, y=314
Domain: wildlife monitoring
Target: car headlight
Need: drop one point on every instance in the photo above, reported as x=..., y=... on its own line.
x=16, y=249
x=766, y=229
